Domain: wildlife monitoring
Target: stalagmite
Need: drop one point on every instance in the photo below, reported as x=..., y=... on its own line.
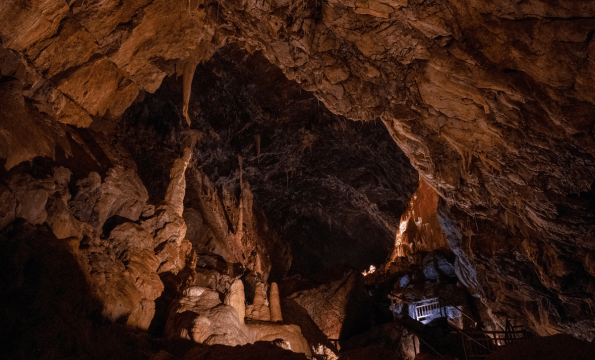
x=259, y=310
x=176, y=190
x=275, y=303
x=235, y=297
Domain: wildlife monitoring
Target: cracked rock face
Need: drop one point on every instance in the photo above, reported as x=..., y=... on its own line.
x=492, y=102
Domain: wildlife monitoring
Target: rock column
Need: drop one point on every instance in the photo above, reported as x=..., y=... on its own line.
x=274, y=303
x=259, y=310
x=235, y=297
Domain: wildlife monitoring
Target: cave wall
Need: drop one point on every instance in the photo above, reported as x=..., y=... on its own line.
x=331, y=188
x=492, y=102
x=318, y=190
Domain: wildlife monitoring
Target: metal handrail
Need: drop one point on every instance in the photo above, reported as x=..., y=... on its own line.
x=425, y=342
x=462, y=312
x=470, y=338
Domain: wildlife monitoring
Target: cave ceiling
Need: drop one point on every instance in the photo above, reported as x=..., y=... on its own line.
x=493, y=103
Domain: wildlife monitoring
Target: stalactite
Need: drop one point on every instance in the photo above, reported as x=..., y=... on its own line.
x=189, y=69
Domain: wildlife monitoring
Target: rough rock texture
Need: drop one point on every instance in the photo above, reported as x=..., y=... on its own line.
x=200, y=316
x=121, y=193
x=266, y=331
x=318, y=342
x=85, y=253
x=355, y=193
x=341, y=308
x=259, y=310
x=492, y=102
x=259, y=350
x=388, y=341
x=419, y=227
x=324, y=183
x=48, y=303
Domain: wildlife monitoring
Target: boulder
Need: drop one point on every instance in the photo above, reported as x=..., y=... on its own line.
x=60, y=220
x=129, y=237
x=317, y=340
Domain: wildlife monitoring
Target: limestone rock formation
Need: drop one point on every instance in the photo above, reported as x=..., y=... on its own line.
x=259, y=310
x=257, y=351
x=492, y=102
x=318, y=342
x=341, y=308
x=265, y=331
x=200, y=316
x=435, y=265
x=121, y=193
x=338, y=201
x=275, y=303
x=419, y=227
x=236, y=299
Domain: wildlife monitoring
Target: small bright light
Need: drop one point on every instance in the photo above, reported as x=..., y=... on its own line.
x=372, y=269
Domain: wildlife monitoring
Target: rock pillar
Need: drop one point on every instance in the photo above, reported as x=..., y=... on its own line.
x=235, y=297
x=274, y=303
x=259, y=310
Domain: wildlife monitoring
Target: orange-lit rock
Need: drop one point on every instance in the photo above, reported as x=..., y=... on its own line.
x=199, y=316
x=235, y=298
x=491, y=101
x=275, y=304
x=419, y=227
x=259, y=310
x=264, y=331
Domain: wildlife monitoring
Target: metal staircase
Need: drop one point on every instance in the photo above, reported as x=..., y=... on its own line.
x=476, y=343
x=480, y=344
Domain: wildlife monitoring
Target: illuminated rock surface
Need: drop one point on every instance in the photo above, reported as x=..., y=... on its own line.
x=108, y=211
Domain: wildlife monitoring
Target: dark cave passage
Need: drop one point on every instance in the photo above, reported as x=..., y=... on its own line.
x=338, y=180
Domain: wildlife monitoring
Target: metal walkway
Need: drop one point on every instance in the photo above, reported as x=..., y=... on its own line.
x=476, y=343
